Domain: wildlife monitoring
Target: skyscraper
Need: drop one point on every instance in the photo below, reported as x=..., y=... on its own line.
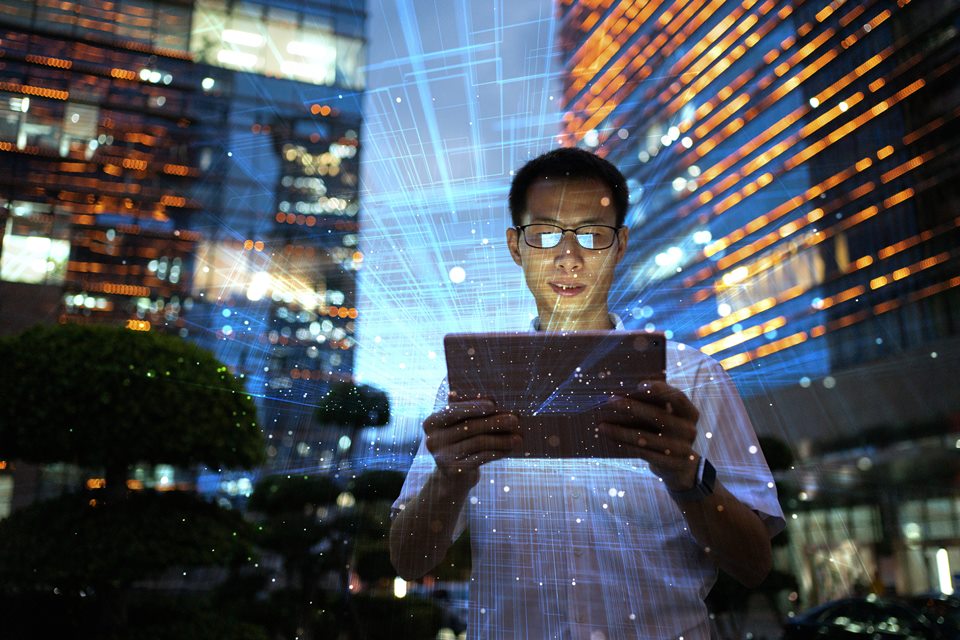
x=791, y=164
x=189, y=167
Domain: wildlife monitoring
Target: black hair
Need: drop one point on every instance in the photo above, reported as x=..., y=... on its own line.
x=568, y=163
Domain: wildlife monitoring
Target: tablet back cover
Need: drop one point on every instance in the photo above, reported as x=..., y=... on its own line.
x=554, y=382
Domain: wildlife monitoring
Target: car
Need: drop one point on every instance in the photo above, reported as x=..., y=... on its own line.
x=867, y=618
x=942, y=610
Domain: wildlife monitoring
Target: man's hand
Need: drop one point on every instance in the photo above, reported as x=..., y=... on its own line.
x=464, y=435
x=658, y=424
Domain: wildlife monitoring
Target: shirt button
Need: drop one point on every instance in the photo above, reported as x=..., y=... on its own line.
x=576, y=495
x=578, y=552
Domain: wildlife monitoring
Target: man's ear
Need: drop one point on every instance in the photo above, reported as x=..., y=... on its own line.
x=513, y=245
x=622, y=234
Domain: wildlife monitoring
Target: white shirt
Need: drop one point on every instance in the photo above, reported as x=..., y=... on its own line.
x=597, y=549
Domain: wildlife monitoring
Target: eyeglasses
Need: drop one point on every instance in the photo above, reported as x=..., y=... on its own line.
x=547, y=236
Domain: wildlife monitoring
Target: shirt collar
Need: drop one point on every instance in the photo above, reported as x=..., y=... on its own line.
x=614, y=318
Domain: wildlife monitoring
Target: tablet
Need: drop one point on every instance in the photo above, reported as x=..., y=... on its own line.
x=555, y=382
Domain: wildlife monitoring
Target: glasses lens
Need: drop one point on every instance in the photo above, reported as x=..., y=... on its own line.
x=595, y=237
x=542, y=236
x=547, y=236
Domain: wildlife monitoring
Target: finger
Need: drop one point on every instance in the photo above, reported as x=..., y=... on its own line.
x=495, y=424
x=480, y=444
x=477, y=459
x=649, y=417
x=641, y=441
x=671, y=398
x=457, y=411
x=438, y=439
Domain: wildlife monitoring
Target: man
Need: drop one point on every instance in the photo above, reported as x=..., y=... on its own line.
x=591, y=549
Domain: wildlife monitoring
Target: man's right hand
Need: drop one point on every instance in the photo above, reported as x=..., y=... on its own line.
x=466, y=434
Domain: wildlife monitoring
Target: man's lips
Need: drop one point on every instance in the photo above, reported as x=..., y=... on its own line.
x=567, y=290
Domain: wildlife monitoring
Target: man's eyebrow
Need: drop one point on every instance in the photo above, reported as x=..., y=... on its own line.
x=540, y=219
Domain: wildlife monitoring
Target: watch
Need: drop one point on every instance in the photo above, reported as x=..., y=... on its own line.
x=703, y=487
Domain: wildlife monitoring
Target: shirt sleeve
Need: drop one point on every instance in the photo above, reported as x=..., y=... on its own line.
x=726, y=437
x=424, y=465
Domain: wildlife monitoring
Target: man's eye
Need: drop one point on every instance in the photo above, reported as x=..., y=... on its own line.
x=587, y=240
x=549, y=239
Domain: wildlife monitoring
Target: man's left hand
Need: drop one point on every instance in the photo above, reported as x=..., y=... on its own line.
x=658, y=423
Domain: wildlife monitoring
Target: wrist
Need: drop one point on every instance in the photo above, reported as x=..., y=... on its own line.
x=689, y=477
x=456, y=480
x=705, y=477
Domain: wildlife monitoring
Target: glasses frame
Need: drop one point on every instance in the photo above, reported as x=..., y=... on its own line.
x=522, y=227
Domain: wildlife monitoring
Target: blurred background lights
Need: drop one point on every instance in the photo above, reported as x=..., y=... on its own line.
x=944, y=574
x=259, y=286
x=669, y=258
x=399, y=587
x=457, y=275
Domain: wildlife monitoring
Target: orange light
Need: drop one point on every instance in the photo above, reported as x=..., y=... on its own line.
x=173, y=201
x=132, y=163
x=123, y=74
x=138, y=325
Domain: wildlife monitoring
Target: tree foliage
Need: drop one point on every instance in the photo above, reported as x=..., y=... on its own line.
x=76, y=542
x=106, y=397
x=276, y=495
x=353, y=406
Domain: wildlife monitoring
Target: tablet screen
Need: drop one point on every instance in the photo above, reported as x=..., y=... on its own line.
x=554, y=382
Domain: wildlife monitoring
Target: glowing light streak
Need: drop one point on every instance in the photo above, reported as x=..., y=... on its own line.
x=743, y=336
x=860, y=263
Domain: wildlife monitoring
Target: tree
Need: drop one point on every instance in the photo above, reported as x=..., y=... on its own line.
x=297, y=524
x=352, y=407
x=103, y=399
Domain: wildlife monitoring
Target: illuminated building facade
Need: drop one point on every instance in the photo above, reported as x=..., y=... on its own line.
x=794, y=158
x=793, y=167
x=189, y=167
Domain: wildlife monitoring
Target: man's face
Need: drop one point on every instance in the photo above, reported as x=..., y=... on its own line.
x=570, y=283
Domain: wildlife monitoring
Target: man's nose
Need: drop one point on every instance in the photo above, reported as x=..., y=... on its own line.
x=570, y=257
